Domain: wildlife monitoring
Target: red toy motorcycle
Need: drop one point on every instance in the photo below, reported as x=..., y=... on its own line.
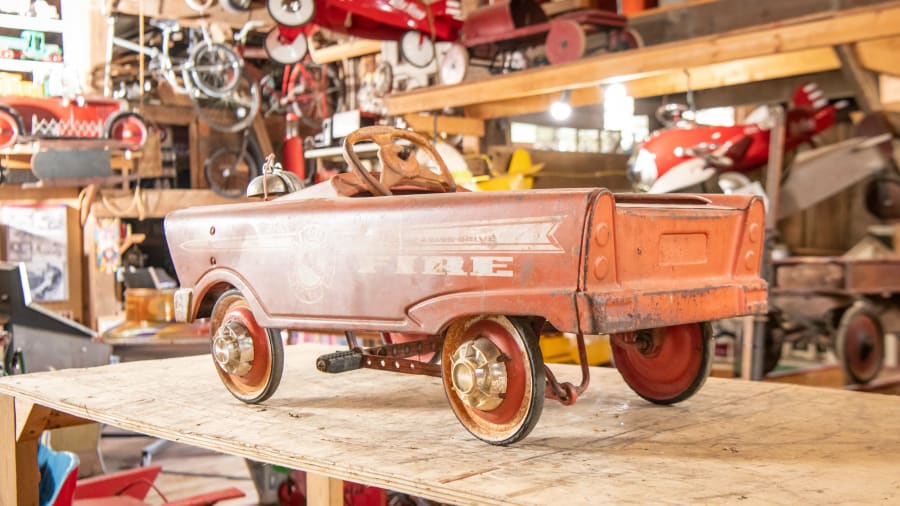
x=687, y=154
x=414, y=23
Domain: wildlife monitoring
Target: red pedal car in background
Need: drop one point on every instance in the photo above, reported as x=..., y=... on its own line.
x=413, y=23
x=25, y=119
x=687, y=154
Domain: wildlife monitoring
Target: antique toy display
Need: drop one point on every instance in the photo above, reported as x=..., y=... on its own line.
x=413, y=23
x=479, y=274
x=103, y=120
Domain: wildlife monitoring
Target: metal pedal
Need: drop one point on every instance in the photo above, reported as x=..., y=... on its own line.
x=340, y=361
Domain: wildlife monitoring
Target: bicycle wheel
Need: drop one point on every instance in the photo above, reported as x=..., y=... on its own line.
x=214, y=68
x=232, y=112
x=228, y=173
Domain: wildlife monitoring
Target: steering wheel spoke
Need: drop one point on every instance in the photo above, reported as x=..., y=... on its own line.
x=399, y=166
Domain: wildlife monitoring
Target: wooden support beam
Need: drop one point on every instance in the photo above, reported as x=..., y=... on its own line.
x=181, y=11
x=324, y=491
x=452, y=125
x=864, y=83
x=879, y=21
x=351, y=49
x=880, y=55
x=761, y=68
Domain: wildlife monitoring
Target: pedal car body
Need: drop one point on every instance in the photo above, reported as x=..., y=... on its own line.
x=479, y=272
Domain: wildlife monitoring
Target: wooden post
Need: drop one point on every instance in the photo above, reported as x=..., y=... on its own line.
x=323, y=491
x=19, y=474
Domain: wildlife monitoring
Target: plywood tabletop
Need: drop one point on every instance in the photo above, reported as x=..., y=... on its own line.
x=753, y=443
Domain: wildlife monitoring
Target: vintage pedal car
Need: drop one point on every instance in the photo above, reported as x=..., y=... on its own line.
x=469, y=278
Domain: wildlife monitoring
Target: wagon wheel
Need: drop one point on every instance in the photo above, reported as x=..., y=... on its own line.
x=284, y=51
x=665, y=365
x=248, y=357
x=11, y=127
x=454, y=64
x=566, y=41
x=621, y=40
x=398, y=166
x=859, y=343
x=493, y=374
x=417, y=48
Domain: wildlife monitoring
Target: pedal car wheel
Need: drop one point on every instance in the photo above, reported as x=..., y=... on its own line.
x=859, y=343
x=417, y=48
x=291, y=13
x=11, y=127
x=493, y=376
x=665, y=365
x=248, y=357
x=128, y=128
x=566, y=41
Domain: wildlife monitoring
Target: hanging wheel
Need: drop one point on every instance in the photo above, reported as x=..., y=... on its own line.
x=493, y=375
x=565, y=41
x=214, y=69
x=248, y=358
x=233, y=112
x=228, y=174
x=11, y=127
x=859, y=343
x=454, y=64
x=417, y=48
x=282, y=51
x=291, y=12
x=665, y=365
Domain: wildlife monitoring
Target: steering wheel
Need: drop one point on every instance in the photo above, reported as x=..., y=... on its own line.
x=398, y=164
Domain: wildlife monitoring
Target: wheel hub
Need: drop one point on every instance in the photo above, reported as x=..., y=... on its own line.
x=233, y=348
x=479, y=374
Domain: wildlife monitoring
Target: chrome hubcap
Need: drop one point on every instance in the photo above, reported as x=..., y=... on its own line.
x=479, y=374
x=233, y=348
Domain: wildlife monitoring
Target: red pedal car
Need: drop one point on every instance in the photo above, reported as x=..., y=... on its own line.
x=24, y=119
x=478, y=274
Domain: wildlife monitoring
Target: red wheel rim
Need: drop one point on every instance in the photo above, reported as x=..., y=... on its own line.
x=565, y=41
x=129, y=130
x=257, y=377
x=9, y=130
x=510, y=414
x=666, y=369
x=863, y=346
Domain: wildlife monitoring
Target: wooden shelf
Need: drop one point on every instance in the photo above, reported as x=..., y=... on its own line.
x=734, y=441
x=30, y=23
x=41, y=67
x=776, y=50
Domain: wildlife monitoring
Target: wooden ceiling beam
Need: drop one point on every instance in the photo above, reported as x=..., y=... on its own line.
x=848, y=26
x=745, y=71
x=178, y=9
x=880, y=55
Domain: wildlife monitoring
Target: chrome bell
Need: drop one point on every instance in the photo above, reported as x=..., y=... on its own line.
x=274, y=181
